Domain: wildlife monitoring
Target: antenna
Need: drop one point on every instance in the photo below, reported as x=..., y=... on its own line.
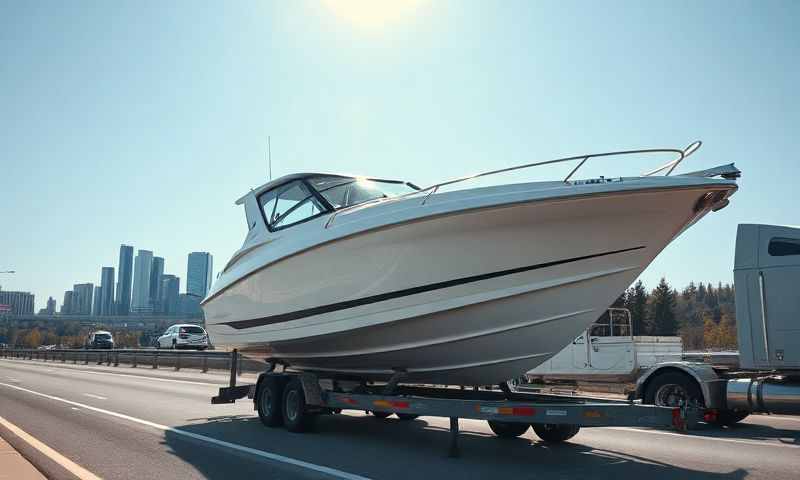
x=269, y=155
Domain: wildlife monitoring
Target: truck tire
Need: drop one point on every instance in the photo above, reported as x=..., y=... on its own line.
x=269, y=401
x=726, y=418
x=296, y=416
x=406, y=417
x=670, y=389
x=508, y=429
x=551, y=433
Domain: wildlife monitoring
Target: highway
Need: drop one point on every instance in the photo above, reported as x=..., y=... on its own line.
x=121, y=423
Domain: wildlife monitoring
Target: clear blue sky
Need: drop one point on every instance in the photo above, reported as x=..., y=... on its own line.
x=141, y=122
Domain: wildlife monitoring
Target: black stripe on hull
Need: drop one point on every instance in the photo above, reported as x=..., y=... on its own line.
x=333, y=307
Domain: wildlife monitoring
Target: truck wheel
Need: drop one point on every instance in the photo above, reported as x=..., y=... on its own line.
x=382, y=414
x=507, y=429
x=296, y=416
x=406, y=417
x=552, y=433
x=268, y=401
x=726, y=418
x=672, y=389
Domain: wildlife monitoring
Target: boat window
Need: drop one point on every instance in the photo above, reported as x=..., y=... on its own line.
x=289, y=204
x=343, y=192
x=781, y=247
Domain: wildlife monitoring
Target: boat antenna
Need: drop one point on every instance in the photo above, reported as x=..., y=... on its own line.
x=269, y=156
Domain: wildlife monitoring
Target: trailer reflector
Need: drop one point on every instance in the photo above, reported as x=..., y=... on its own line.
x=391, y=404
x=516, y=411
x=348, y=400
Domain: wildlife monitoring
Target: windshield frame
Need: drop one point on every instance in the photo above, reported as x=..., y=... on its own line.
x=316, y=193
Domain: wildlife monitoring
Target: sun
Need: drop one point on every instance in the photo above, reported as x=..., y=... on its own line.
x=372, y=13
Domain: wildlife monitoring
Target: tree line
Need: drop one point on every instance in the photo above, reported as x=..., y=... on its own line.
x=703, y=315
x=64, y=334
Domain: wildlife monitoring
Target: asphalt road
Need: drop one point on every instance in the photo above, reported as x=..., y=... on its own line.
x=122, y=423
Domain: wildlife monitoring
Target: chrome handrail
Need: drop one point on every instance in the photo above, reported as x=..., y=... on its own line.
x=682, y=154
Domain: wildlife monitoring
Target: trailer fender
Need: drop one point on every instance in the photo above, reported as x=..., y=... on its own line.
x=711, y=386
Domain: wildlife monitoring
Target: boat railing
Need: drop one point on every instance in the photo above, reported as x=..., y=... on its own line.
x=581, y=159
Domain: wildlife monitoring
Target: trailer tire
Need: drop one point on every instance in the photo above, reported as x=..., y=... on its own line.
x=670, y=388
x=296, y=416
x=552, y=433
x=269, y=401
x=406, y=417
x=508, y=429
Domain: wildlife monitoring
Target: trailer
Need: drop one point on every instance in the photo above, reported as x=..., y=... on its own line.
x=766, y=375
x=295, y=400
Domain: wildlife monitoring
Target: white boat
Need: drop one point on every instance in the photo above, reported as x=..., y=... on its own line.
x=374, y=279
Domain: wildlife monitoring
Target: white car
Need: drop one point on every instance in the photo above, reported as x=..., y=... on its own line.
x=184, y=336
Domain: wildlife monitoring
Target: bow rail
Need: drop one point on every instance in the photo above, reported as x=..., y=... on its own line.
x=669, y=166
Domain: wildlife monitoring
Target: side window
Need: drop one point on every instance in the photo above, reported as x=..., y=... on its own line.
x=289, y=204
x=781, y=247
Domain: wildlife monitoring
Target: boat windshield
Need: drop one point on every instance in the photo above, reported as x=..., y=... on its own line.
x=343, y=192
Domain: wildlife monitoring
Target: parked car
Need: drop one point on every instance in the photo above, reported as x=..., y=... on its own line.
x=100, y=339
x=184, y=336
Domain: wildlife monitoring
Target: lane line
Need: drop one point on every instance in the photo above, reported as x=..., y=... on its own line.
x=143, y=377
x=92, y=395
x=63, y=461
x=233, y=446
x=700, y=437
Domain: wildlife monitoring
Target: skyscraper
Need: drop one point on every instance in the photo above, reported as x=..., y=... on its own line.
x=125, y=273
x=107, y=285
x=156, y=271
x=198, y=273
x=170, y=289
x=51, y=306
x=66, y=305
x=82, y=298
x=98, y=300
x=21, y=303
x=140, y=301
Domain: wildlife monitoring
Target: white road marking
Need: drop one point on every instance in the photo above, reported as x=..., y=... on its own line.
x=12, y=379
x=65, y=462
x=75, y=408
x=92, y=395
x=142, y=377
x=701, y=437
x=260, y=453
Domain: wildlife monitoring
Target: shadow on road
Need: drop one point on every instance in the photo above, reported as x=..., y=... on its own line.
x=393, y=449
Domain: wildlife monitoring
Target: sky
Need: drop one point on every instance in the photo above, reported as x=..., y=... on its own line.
x=142, y=122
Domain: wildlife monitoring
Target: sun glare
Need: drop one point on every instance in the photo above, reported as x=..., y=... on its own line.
x=372, y=13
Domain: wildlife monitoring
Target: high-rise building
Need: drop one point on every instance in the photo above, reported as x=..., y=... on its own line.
x=170, y=289
x=82, y=298
x=189, y=304
x=66, y=305
x=51, y=306
x=124, y=280
x=140, y=300
x=98, y=300
x=198, y=273
x=107, y=285
x=19, y=303
x=156, y=271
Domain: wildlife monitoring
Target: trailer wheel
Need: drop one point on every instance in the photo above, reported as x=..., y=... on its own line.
x=726, y=418
x=552, y=433
x=673, y=389
x=268, y=402
x=507, y=429
x=382, y=415
x=296, y=416
x=406, y=417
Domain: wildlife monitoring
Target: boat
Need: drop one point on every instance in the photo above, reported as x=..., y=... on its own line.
x=380, y=280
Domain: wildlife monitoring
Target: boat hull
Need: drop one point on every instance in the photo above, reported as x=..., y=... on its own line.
x=470, y=297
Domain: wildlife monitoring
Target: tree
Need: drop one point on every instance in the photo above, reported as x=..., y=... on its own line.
x=661, y=319
x=636, y=302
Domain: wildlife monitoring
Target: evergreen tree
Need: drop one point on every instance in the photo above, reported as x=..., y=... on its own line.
x=636, y=302
x=661, y=318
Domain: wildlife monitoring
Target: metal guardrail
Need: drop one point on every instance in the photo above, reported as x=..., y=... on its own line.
x=152, y=358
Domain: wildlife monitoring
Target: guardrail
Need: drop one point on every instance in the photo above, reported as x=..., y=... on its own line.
x=146, y=358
